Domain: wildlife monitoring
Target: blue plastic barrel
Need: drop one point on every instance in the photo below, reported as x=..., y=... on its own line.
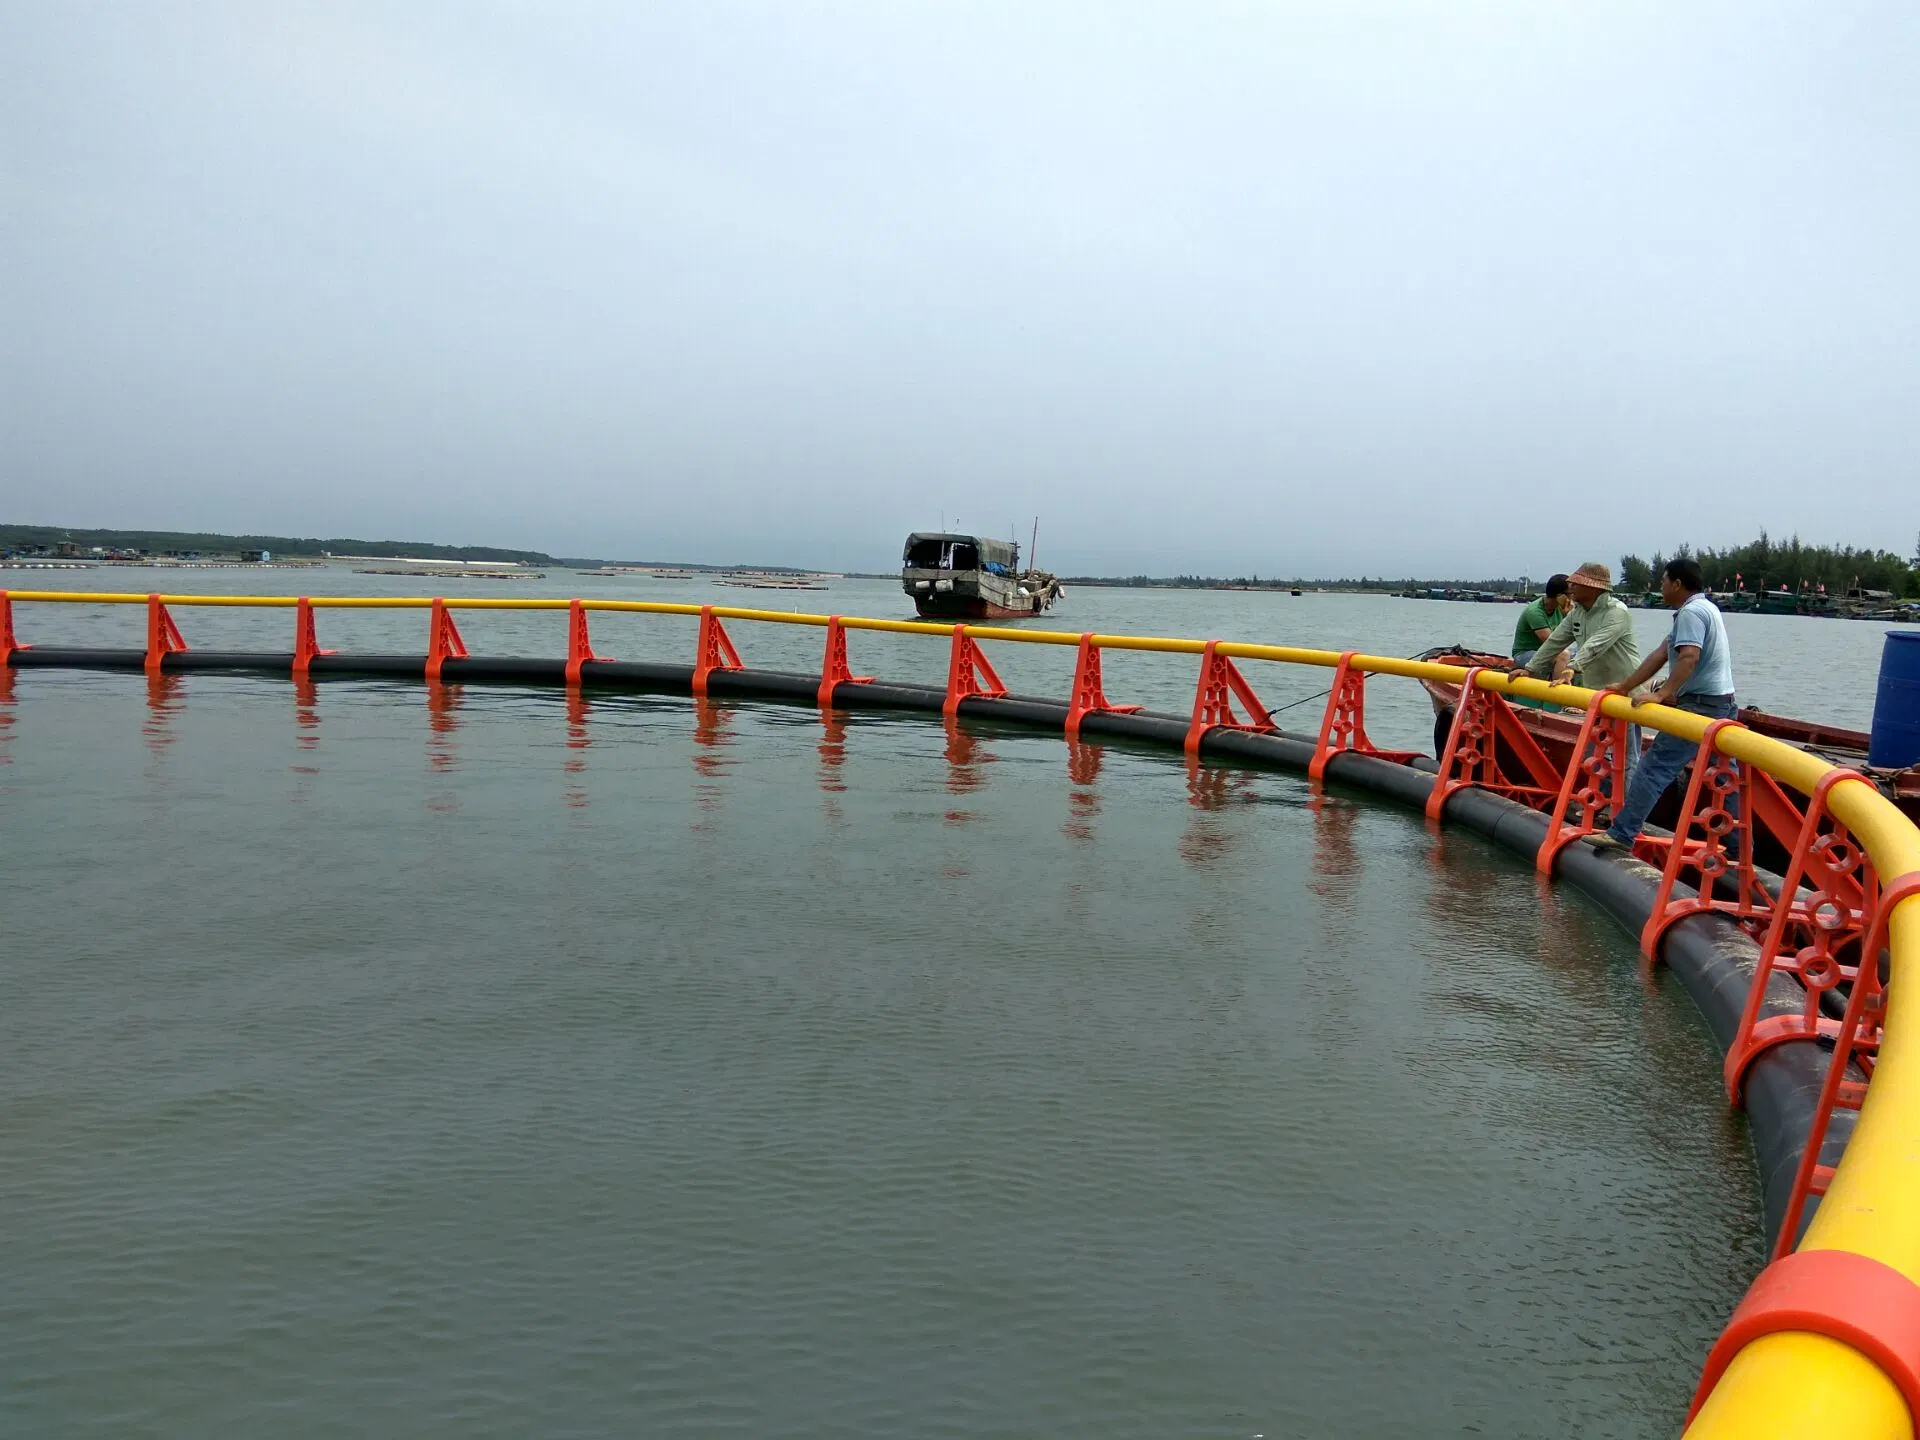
x=1896, y=708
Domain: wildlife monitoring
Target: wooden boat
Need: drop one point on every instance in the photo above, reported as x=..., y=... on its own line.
x=969, y=577
x=1558, y=731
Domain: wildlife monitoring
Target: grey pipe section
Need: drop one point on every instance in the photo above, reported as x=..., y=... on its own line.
x=1708, y=954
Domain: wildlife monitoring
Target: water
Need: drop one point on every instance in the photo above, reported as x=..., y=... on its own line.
x=373, y=1062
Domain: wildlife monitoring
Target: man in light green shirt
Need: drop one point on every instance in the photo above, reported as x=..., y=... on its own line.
x=1599, y=625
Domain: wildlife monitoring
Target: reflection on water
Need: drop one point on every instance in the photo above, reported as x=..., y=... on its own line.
x=166, y=698
x=713, y=734
x=1336, y=863
x=1212, y=789
x=833, y=756
x=443, y=751
x=1207, y=785
x=1463, y=883
x=966, y=754
x=578, y=742
x=443, y=723
x=833, y=751
x=306, y=720
x=306, y=737
x=6, y=712
x=1083, y=799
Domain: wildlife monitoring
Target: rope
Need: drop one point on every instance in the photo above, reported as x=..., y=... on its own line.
x=1279, y=709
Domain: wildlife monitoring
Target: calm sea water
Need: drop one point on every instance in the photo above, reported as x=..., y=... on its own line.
x=373, y=1062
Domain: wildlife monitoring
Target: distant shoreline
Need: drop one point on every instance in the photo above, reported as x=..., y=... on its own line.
x=1813, y=577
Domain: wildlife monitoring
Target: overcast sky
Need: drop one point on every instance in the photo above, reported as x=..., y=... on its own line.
x=1332, y=288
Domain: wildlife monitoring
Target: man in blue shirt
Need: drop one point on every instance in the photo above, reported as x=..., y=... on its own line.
x=1699, y=678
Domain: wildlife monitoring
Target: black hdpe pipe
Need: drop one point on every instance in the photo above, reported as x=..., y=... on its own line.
x=1711, y=956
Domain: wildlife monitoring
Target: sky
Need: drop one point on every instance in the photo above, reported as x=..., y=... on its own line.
x=1354, y=287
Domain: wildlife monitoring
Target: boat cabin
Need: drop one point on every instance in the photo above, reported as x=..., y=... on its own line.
x=939, y=551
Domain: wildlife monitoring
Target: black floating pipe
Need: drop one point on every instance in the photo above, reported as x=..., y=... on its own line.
x=1712, y=957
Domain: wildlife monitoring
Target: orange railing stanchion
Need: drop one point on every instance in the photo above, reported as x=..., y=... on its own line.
x=579, y=643
x=443, y=639
x=968, y=674
x=1719, y=807
x=163, y=636
x=1812, y=936
x=1343, y=725
x=834, y=668
x=713, y=650
x=1220, y=682
x=7, y=642
x=1856, y=1043
x=1596, y=780
x=306, y=644
x=1482, y=723
x=1089, y=695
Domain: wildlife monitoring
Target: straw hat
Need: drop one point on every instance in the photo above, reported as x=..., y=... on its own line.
x=1593, y=575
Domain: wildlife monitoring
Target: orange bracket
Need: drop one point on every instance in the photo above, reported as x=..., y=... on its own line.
x=1808, y=935
x=713, y=651
x=967, y=668
x=1857, y=1042
x=443, y=640
x=1344, y=725
x=1861, y=1302
x=1088, y=696
x=305, y=644
x=834, y=669
x=1220, y=682
x=1482, y=722
x=1719, y=785
x=1596, y=780
x=1713, y=835
x=579, y=646
x=7, y=643
x=163, y=636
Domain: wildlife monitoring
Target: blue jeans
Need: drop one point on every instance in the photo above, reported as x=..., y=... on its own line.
x=1661, y=765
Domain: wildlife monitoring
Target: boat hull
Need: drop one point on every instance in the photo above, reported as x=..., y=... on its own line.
x=973, y=595
x=955, y=606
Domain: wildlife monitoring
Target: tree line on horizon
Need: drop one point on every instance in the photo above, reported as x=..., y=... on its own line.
x=1766, y=564
x=209, y=542
x=1762, y=564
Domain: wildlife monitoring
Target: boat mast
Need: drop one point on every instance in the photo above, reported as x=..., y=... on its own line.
x=1033, y=544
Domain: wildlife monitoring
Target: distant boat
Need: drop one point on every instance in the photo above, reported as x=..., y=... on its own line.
x=968, y=577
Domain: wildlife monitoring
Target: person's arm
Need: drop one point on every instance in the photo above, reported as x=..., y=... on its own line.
x=1649, y=668
x=1685, y=657
x=1542, y=661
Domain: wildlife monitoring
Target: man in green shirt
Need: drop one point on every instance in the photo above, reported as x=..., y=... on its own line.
x=1538, y=619
x=1599, y=625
